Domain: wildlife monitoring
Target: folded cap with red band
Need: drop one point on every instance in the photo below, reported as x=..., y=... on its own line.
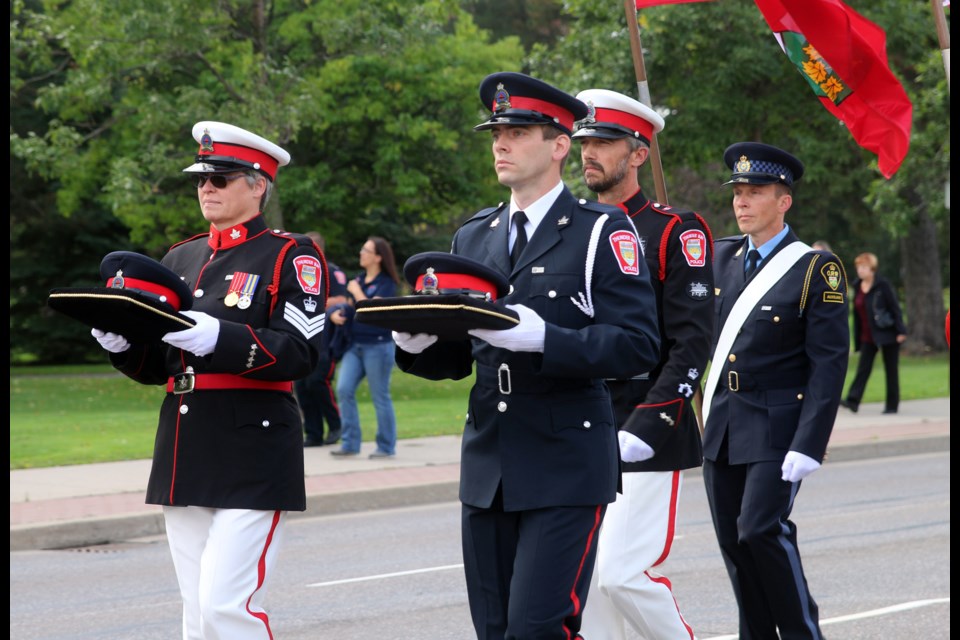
x=517, y=99
x=225, y=148
x=613, y=115
x=453, y=294
x=140, y=300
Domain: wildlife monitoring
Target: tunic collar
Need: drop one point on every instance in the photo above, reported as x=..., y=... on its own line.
x=237, y=234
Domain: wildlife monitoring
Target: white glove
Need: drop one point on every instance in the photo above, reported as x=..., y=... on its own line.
x=526, y=336
x=413, y=343
x=199, y=339
x=632, y=448
x=797, y=466
x=112, y=342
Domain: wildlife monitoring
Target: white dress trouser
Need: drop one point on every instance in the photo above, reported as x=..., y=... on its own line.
x=223, y=559
x=636, y=535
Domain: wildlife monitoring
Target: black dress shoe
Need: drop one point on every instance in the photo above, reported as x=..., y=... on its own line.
x=333, y=437
x=310, y=442
x=343, y=453
x=849, y=405
x=887, y=411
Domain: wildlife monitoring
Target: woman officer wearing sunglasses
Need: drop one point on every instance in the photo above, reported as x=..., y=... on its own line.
x=228, y=455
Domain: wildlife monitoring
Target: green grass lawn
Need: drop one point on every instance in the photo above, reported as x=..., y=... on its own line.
x=82, y=414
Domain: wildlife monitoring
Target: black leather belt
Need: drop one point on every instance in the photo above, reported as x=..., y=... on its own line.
x=738, y=381
x=507, y=381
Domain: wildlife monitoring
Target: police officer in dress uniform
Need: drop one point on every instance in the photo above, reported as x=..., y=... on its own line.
x=315, y=393
x=659, y=435
x=228, y=455
x=775, y=381
x=539, y=457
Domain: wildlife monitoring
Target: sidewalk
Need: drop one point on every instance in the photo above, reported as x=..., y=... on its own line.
x=84, y=505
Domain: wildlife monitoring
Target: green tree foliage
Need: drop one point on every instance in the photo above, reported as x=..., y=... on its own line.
x=375, y=102
x=718, y=76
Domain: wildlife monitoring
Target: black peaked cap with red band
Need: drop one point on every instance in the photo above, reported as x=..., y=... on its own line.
x=140, y=299
x=453, y=294
x=517, y=99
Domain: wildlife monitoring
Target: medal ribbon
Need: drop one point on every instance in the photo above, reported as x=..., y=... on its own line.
x=249, y=285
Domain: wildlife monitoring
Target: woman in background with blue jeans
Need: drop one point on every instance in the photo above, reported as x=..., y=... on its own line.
x=371, y=354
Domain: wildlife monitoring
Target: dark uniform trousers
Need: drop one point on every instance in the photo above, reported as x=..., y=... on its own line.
x=778, y=391
x=540, y=460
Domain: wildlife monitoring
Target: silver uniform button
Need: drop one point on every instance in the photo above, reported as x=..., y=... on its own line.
x=265, y=423
x=198, y=293
x=551, y=294
x=184, y=408
x=501, y=406
x=586, y=424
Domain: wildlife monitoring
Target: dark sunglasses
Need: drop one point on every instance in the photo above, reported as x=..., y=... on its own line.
x=218, y=180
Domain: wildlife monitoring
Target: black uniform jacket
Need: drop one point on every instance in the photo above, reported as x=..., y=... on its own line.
x=881, y=297
x=657, y=407
x=780, y=386
x=551, y=441
x=238, y=448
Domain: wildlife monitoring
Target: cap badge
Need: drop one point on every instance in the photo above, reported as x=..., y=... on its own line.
x=591, y=113
x=117, y=282
x=743, y=166
x=430, y=283
x=206, y=142
x=501, y=99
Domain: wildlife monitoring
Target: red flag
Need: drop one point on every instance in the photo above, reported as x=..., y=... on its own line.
x=653, y=3
x=844, y=58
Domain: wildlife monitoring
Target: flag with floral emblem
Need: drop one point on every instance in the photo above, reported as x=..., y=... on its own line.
x=843, y=56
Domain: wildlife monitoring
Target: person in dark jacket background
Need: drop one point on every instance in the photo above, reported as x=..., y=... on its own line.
x=877, y=326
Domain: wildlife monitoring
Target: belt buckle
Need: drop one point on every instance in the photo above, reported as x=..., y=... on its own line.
x=503, y=375
x=733, y=381
x=183, y=383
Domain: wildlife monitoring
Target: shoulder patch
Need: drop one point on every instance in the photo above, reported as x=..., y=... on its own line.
x=626, y=248
x=309, y=273
x=694, y=246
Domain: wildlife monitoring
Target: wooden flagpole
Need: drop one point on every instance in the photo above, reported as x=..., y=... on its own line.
x=943, y=34
x=630, y=7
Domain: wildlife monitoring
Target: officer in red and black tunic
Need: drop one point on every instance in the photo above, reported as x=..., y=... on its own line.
x=539, y=462
x=228, y=455
x=658, y=430
x=773, y=391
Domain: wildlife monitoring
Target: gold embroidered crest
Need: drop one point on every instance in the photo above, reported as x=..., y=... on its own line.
x=831, y=274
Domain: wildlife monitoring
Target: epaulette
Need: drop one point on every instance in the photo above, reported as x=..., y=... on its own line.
x=685, y=214
x=597, y=207
x=484, y=213
x=199, y=236
x=301, y=239
x=730, y=239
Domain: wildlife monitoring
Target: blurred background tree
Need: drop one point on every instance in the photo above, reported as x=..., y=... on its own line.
x=376, y=104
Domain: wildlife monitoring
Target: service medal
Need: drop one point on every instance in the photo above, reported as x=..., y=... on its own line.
x=232, y=298
x=244, y=302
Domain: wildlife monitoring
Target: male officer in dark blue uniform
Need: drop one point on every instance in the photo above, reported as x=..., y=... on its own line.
x=772, y=394
x=539, y=456
x=228, y=456
x=658, y=431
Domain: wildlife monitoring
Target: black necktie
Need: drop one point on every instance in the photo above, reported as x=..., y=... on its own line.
x=519, y=220
x=752, y=259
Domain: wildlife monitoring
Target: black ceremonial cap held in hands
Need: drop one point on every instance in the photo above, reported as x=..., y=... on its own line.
x=518, y=99
x=140, y=300
x=758, y=163
x=453, y=294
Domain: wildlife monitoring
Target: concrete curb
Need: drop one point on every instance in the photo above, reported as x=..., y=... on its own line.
x=85, y=532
